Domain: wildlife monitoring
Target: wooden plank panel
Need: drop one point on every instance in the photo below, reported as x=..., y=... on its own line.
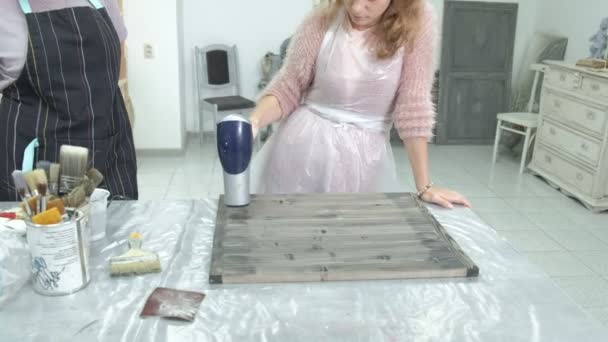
x=322, y=237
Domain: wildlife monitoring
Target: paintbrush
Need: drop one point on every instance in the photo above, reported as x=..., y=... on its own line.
x=94, y=179
x=42, y=188
x=30, y=180
x=54, y=179
x=136, y=260
x=44, y=165
x=21, y=187
x=75, y=198
x=51, y=202
x=74, y=161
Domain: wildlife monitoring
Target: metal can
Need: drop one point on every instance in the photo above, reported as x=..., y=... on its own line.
x=60, y=255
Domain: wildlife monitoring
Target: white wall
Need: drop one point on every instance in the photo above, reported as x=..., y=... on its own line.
x=256, y=27
x=182, y=69
x=577, y=20
x=154, y=84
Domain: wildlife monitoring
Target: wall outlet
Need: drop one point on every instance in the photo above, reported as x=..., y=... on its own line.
x=148, y=51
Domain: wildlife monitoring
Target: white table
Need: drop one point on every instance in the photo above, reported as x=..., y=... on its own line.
x=510, y=301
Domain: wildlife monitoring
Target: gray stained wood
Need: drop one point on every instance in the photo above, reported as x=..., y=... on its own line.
x=476, y=69
x=332, y=237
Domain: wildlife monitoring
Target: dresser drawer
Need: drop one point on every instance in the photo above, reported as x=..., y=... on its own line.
x=565, y=140
x=563, y=79
x=594, y=87
x=569, y=110
x=564, y=170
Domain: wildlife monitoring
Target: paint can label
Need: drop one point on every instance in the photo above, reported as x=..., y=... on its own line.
x=59, y=258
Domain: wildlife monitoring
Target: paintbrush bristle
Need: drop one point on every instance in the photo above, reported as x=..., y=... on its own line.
x=94, y=179
x=75, y=198
x=30, y=180
x=95, y=176
x=20, y=183
x=40, y=177
x=74, y=161
x=44, y=165
x=42, y=189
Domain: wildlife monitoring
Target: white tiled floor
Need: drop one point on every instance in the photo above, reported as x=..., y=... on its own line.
x=557, y=233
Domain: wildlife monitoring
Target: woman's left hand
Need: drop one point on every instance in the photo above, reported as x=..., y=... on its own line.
x=444, y=197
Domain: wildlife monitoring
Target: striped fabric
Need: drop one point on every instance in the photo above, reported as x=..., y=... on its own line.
x=68, y=94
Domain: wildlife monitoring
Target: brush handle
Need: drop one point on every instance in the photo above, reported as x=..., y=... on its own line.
x=10, y=216
x=54, y=188
x=26, y=206
x=42, y=204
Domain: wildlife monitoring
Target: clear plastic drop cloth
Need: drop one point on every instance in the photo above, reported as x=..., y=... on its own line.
x=511, y=300
x=14, y=261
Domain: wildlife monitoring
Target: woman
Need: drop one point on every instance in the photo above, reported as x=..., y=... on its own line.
x=59, y=69
x=352, y=71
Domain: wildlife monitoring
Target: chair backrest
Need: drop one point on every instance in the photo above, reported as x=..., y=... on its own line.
x=538, y=69
x=216, y=68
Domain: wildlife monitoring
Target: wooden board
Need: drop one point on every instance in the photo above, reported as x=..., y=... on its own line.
x=327, y=237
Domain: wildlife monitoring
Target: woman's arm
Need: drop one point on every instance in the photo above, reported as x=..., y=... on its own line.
x=415, y=113
x=266, y=112
x=417, y=150
x=284, y=93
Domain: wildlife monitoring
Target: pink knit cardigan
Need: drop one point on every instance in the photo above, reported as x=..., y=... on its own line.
x=413, y=110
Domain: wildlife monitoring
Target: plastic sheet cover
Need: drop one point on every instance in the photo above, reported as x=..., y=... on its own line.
x=14, y=261
x=511, y=300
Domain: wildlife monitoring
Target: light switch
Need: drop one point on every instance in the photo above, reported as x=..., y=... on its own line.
x=148, y=51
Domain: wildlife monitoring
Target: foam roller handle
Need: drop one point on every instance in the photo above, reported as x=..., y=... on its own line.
x=235, y=147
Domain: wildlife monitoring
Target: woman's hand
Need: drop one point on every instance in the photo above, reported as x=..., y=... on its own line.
x=254, y=129
x=267, y=111
x=444, y=197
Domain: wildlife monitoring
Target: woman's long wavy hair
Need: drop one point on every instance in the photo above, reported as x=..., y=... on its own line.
x=398, y=27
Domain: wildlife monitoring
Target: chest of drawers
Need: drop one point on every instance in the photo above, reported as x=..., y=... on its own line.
x=571, y=150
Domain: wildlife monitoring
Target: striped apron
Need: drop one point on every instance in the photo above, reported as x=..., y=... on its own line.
x=68, y=94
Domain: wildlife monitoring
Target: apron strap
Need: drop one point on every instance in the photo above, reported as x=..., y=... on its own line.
x=29, y=155
x=330, y=35
x=96, y=4
x=27, y=8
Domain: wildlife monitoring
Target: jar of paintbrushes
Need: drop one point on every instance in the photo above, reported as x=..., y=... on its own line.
x=55, y=202
x=59, y=254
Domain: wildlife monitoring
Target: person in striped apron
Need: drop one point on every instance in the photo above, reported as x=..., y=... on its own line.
x=59, y=71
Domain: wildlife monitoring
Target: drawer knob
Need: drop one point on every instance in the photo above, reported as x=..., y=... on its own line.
x=562, y=77
x=591, y=115
x=548, y=159
x=579, y=176
x=585, y=147
x=557, y=103
x=595, y=87
x=552, y=131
